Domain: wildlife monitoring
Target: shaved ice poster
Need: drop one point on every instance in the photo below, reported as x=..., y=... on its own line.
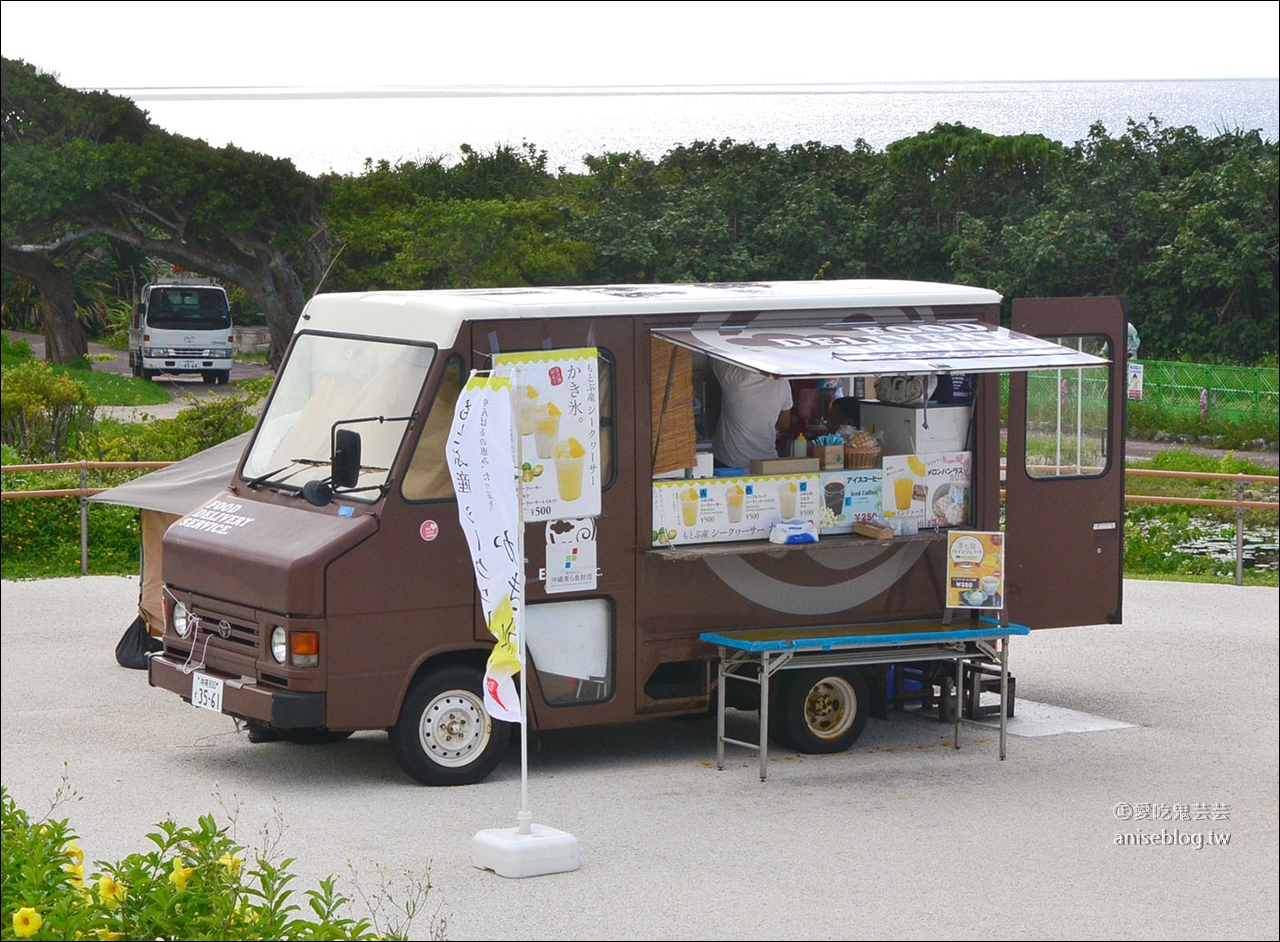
x=556, y=407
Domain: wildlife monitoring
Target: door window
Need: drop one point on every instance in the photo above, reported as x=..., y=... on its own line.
x=572, y=647
x=427, y=477
x=1069, y=415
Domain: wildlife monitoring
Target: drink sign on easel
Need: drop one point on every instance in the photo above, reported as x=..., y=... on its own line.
x=975, y=569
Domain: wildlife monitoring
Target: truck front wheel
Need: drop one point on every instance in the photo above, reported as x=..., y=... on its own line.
x=822, y=710
x=444, y=735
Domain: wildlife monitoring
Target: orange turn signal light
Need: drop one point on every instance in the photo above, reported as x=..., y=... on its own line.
x=303, y=643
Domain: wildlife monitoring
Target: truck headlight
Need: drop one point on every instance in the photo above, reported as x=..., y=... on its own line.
x=279, y=644
x=181, y=622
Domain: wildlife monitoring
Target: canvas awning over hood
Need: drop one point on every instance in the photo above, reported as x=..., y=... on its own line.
x=857, y=349
x=185, y=485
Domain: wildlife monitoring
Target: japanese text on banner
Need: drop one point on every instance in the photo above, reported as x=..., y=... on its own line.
x=482, y=463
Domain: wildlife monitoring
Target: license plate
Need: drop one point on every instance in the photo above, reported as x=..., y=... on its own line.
x=206, y=692
x=189, y=365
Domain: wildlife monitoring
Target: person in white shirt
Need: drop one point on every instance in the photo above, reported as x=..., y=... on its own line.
x=753, y=407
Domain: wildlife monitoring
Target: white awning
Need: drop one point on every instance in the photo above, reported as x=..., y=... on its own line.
x=858, y=349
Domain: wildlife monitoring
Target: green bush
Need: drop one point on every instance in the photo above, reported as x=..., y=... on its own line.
x=40, y=537
x=1223, y=430
x=13, y=352
x=43, y=415
x=201, y=425
x=197, y=883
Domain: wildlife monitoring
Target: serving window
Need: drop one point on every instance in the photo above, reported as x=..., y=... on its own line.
x=886, y=415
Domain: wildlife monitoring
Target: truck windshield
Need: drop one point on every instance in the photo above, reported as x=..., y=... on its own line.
x=328, y=379
x=188, y=309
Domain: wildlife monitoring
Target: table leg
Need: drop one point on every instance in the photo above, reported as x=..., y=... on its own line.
x=958, y=696
x=764, y=716
x=720, y=712
x=1004, y=693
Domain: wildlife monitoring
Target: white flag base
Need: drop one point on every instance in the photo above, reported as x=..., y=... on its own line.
x=526, y=850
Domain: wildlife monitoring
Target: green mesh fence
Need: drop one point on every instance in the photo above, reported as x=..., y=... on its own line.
x=1237, y=390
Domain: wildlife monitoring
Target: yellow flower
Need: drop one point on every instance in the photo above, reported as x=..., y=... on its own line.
x=180, y=874
x=108, y=936
x=231, y=862
x=109, y=891
x=76, y=873
x=73, y=851
x=26, y=922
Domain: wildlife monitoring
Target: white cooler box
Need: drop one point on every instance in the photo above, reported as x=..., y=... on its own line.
x=903, y=427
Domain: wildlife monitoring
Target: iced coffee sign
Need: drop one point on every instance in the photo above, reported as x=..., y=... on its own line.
x=557, y=417
x=850, y=496
x=932, y=488
x=720, y=510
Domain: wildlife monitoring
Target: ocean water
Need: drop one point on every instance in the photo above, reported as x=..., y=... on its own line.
x=339, y=129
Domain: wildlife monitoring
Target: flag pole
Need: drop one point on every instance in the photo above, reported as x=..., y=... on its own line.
x=525, y=817
x=528, y=849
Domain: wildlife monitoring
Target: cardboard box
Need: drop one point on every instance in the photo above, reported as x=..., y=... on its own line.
x=830, y=457
x=785, y=466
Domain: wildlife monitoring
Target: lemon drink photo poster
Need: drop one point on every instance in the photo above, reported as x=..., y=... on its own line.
x=483, y=466
x=557, y=402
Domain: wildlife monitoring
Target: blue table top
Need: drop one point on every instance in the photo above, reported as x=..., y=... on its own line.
x=856, y=636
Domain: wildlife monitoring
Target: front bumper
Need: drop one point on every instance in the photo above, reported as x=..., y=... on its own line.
x=244, y=698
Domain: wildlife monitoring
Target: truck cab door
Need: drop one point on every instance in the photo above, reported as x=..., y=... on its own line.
x=1064, y=483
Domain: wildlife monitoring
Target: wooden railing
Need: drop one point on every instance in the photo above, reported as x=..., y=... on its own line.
x=84, y=491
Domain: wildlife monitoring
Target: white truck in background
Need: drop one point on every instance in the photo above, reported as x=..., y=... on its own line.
x=182, y=325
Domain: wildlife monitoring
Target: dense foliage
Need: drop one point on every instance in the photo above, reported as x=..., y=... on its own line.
x=1182, y=224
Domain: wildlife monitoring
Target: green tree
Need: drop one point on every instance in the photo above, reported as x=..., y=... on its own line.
x=82, y=165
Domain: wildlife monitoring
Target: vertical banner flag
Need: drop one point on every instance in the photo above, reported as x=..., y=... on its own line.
x=482, y=463
x=557, y=407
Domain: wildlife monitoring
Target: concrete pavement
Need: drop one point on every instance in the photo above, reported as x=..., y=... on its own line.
x=902, y=836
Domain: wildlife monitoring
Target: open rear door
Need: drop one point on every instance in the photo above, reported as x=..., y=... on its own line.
x=1064, y=507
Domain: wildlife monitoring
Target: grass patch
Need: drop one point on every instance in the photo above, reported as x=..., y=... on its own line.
x=106, y=389
x=114, y=389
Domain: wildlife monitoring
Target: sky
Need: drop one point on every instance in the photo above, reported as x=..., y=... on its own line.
x=127, y=46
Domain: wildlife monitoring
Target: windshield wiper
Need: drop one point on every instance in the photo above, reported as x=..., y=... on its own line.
x=270, y=476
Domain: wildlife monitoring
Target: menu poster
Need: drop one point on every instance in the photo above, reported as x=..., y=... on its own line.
x=975, y=569
x=557, y=416
x=720, y=510
x=934, y=488
x=848, y=497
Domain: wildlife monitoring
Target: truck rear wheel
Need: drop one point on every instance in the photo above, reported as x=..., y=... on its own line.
x=821, y=710
x=444, y=735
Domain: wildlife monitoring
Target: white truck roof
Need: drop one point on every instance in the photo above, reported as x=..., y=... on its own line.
x=435, y=316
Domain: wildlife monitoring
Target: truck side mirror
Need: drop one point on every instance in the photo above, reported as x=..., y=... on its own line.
x=346, y=458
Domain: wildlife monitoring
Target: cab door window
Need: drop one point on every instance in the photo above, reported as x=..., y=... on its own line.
x=427, y=477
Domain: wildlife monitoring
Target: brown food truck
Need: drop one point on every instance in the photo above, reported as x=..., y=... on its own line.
x=329, y=588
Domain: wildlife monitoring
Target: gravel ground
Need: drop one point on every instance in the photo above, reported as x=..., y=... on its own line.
x=902, y=836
